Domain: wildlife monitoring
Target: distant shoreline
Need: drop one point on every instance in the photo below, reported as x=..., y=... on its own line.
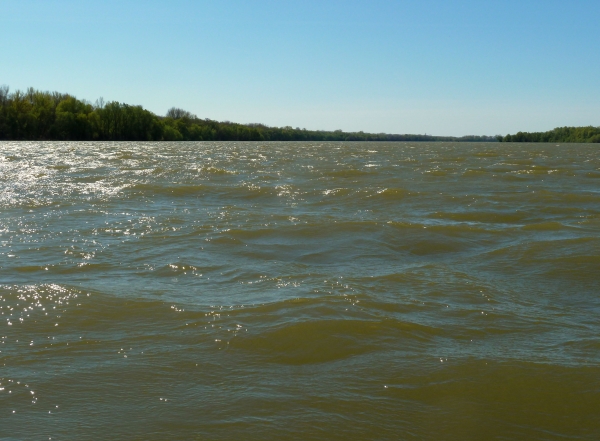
x=587, y=134
x=36, y=115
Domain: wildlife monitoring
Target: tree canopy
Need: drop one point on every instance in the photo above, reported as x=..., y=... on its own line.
x=38, y=115
x=559, y=134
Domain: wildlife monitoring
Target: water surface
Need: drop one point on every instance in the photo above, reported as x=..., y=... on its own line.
x=299, y=291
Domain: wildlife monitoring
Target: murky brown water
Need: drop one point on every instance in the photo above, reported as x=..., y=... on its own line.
x=299, y=291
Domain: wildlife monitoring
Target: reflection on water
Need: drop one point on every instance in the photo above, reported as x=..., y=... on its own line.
x=299, y=291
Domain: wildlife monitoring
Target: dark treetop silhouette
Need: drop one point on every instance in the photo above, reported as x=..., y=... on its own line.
x=560, y=134
x=37, y=115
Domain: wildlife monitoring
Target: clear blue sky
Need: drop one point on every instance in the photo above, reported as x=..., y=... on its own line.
x=438, y=67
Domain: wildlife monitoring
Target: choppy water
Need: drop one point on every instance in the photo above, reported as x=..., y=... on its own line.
x=299, y=291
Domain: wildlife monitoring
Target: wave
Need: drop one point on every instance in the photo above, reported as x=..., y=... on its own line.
x=569, y=261
x=169, y=190
x=545, y=226
x=347, y=173
x=321, y=341
x=482, y=217
x=212, y=170
x=392, y=194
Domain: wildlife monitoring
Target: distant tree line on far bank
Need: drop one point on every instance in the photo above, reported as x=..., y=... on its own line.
x=38, y=115
x=560, y=134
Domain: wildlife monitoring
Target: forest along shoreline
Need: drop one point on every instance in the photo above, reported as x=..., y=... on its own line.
x=41, y=115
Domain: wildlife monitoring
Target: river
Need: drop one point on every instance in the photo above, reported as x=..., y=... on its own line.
x=320, y=291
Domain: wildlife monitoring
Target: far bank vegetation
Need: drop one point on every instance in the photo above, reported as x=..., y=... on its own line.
x=560, y=134
x=38, y=115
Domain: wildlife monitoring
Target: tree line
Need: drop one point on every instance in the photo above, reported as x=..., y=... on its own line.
x=559, y=134
x=39, y=115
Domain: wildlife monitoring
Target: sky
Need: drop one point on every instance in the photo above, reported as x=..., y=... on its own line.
x=439, y=67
